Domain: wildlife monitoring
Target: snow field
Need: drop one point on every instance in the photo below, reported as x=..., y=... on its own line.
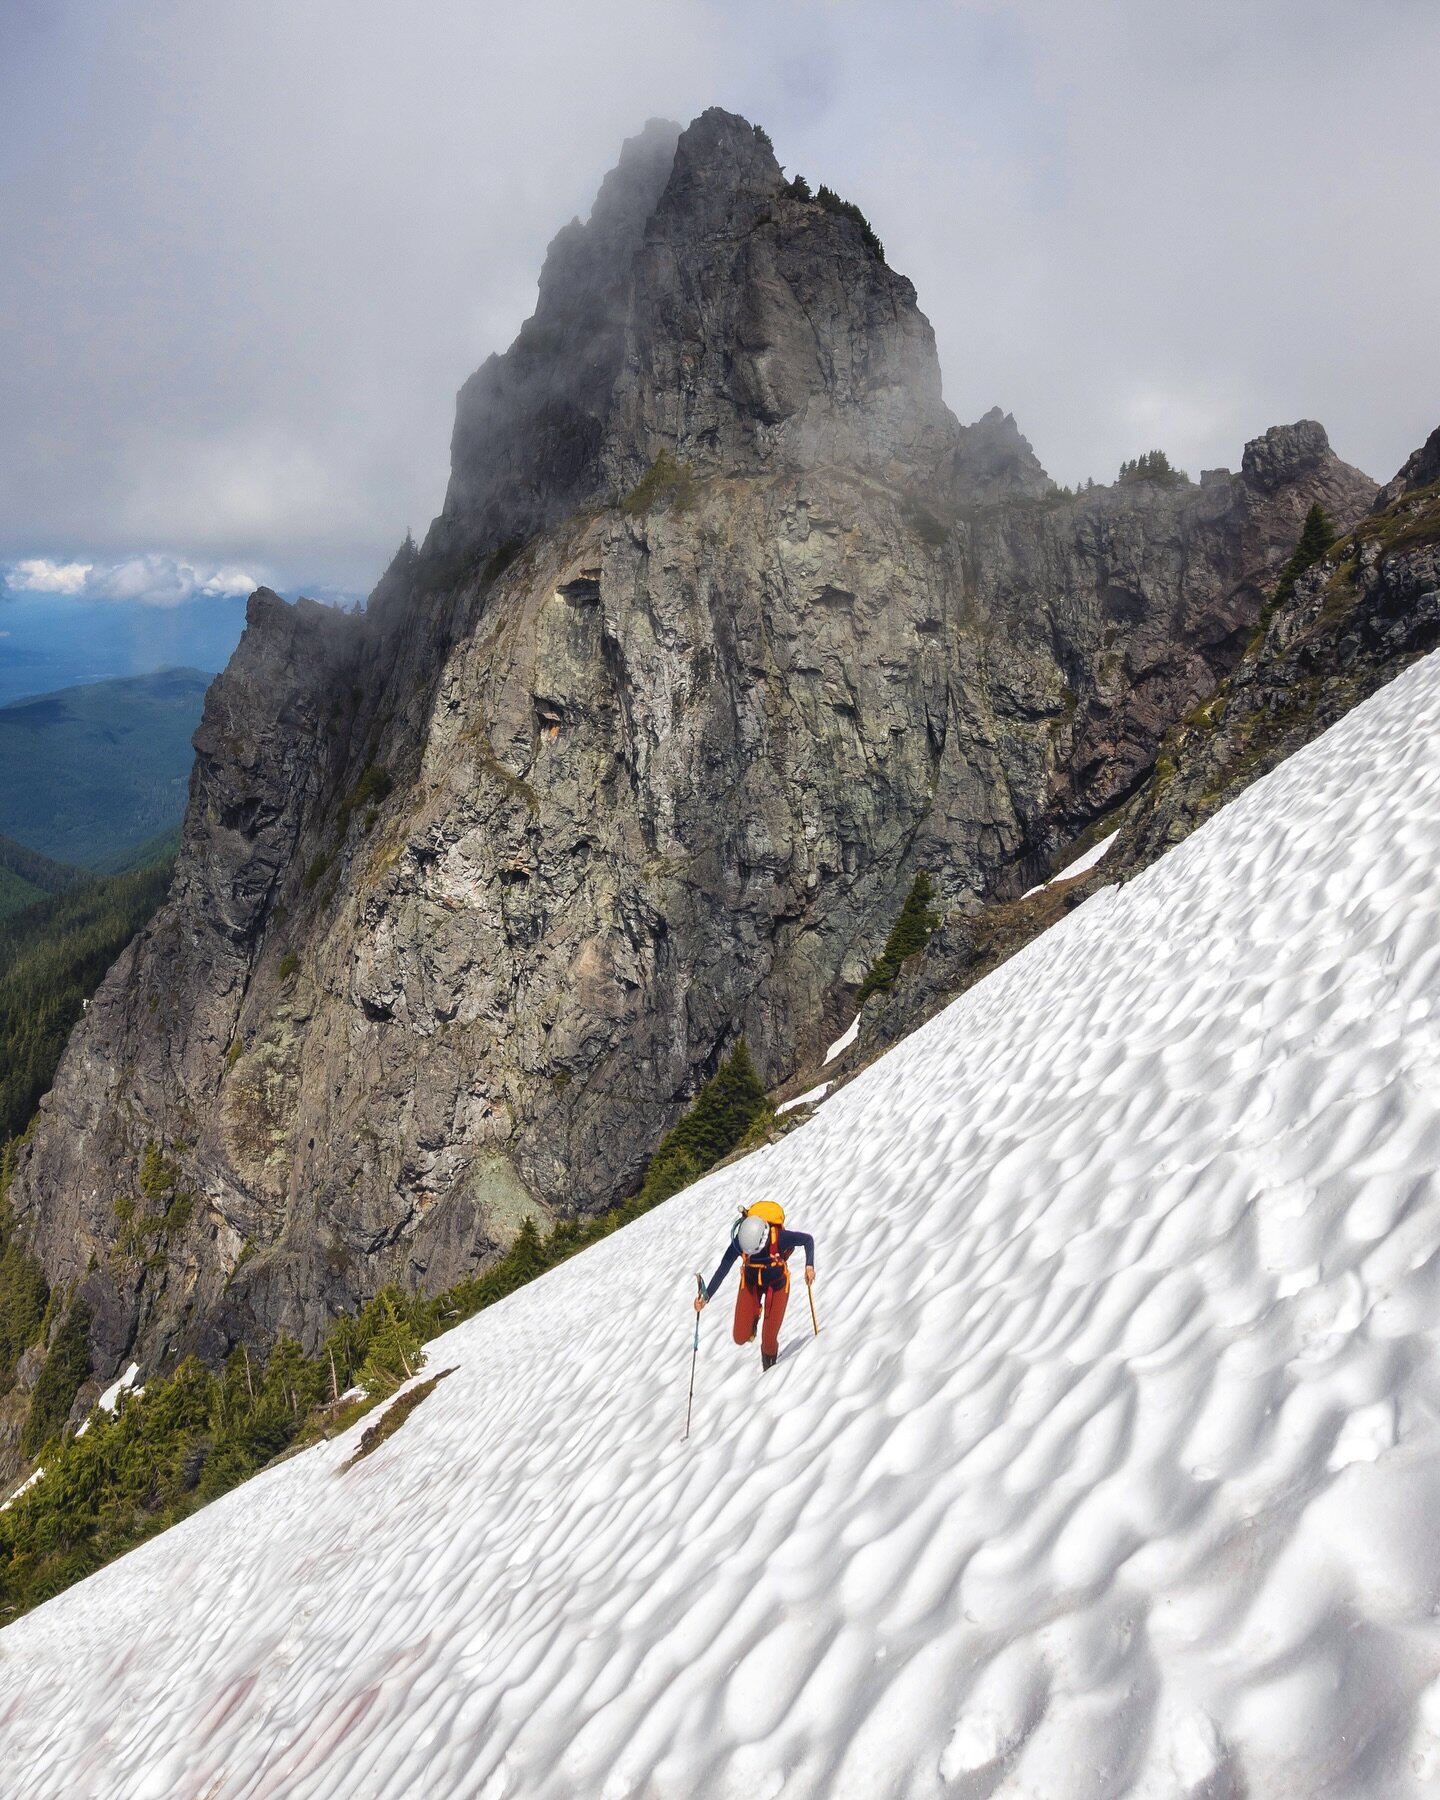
x=1114, y=1471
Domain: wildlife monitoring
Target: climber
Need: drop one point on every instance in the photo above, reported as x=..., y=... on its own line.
x=759, y=1239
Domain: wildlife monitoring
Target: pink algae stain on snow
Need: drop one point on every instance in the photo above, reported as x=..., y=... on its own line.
x=305, y=1755
x=231, y=1699
x=338, y=1722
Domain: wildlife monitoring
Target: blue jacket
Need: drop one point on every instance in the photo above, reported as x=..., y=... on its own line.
x=786, y=1244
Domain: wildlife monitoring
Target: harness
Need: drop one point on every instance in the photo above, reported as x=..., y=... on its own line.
x=767, y=1268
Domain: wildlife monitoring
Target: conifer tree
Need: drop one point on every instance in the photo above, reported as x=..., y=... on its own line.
x=527, y=1253
x=910, y=933
x=66, y=1367
x=1156, y=466
x=722, y=1113
x=1316, y=536
x=394, y=1353
x=24, y=1294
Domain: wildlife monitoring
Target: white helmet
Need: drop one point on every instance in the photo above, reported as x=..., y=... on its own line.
x=752, y=1235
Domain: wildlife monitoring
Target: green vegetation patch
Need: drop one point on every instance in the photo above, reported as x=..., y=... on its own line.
x=1154, y=466
x=911, y=932
x=718, y=1119
x=375, y=785
x=24, y=1300
x=847, y=209
x=668, y=482
x=1316, y=537
x=161, y=1213
x=191, y=1436
x=1406, y=524
x=66, y=1369
x=195, y=1434
x=799, y=189
x=393, y=1348
x=315, y=870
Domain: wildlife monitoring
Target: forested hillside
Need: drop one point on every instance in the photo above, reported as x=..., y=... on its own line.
x=26, y=876
x=154, y=1457
x=53, y=955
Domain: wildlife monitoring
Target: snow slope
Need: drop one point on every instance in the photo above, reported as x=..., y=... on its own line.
x=1115, y=1469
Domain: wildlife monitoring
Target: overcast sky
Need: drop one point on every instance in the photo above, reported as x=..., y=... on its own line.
x=252, y=249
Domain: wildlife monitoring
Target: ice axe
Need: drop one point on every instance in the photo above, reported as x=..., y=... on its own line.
x=810, y=1295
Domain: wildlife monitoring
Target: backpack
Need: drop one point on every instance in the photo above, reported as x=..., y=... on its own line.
x=764, y=1269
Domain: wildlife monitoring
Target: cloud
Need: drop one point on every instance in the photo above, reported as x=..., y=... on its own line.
x=262, y=245
x=153, y=579
x=39, y=575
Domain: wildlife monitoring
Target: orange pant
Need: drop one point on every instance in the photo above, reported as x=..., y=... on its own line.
x=748, y=1306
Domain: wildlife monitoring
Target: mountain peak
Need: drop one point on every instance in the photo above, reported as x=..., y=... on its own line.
x=706, y=310
x=724, y=175
x=1285, y=452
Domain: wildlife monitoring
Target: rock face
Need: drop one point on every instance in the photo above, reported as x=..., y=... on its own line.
x=727, y=628
x=1355, y=619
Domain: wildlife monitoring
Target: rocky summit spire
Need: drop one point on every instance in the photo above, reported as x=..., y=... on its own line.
x=708, y=310
x=766, y=330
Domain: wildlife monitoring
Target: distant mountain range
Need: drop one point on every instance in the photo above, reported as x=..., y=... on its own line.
x=91, y=774
x=54, y=641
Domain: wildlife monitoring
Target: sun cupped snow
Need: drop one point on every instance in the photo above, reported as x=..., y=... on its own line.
x=1113, y=1471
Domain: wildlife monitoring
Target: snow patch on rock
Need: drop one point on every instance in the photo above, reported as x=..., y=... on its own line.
x=845, y=1040
x=1080, y=866
x=811, y=1097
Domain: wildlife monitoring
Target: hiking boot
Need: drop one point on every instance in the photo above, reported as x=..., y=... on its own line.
x=769, y=1362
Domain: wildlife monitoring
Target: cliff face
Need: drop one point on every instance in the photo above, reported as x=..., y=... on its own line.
x=1354, y=621
x=726, y=628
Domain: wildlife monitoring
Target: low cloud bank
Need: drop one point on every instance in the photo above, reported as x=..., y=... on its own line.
x=152, y=579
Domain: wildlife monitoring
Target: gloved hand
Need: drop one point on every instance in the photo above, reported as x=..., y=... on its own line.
x=700, y=1303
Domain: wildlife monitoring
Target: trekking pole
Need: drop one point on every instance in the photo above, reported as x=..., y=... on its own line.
x=694, y=1358
x=813, y=1320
